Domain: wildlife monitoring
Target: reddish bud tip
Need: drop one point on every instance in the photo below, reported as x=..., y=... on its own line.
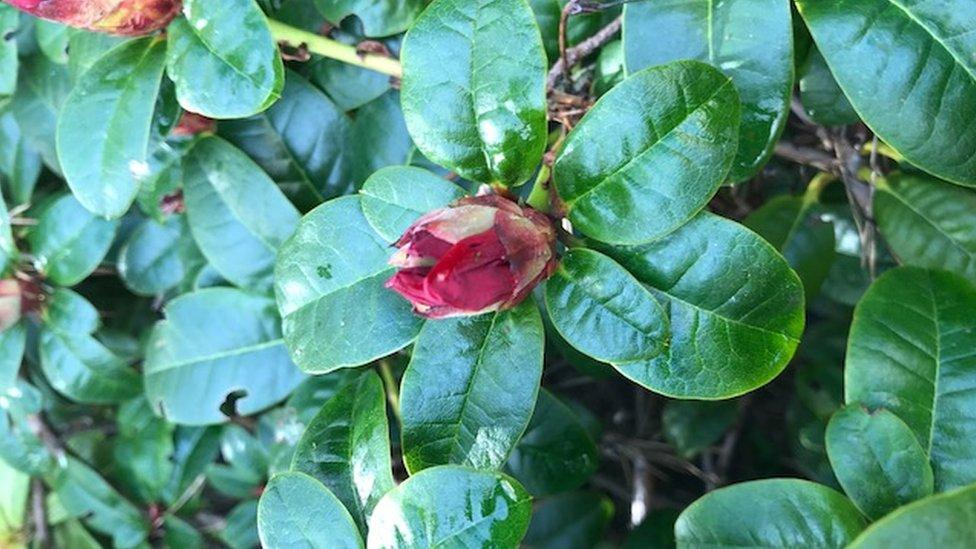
x=481, y=254
x=191, y=124
x=10, y=303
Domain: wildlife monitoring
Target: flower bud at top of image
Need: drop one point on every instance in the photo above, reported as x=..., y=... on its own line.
x=481, y=254
x=121, y=17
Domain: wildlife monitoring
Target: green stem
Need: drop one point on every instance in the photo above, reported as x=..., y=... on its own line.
x=392, y=391
x=333, y=49
x=817, y=185
x=539, y=197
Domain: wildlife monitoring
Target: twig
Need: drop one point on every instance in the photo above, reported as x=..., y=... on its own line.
x=807, y=156
x=333, y=49
x=392, y=392
x=39, y=514
x=581, y=50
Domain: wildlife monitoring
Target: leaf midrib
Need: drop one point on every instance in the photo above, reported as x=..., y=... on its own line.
x=604, y=180
x=239, y=351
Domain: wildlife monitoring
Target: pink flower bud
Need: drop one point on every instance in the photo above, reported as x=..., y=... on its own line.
x=10, y=303
x=481, y=254
x=123, y=17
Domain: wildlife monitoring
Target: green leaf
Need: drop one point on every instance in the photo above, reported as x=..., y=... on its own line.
x=238, y=217
x=474, y=88
x=655, y=532
x=68, y=241
x=13, y=340
x=578, y=27
x=349, y=86
x=335, y=263
x=20, y=164
x=823, y=100
x=556, y=453
x=469, y=391
x=158, y=256
x=396, y=196
x=8, y=250
x=69, y=313
x=650, y=154
x=735, y=306
x=877, y=460
x=13, y=502
x=297, y=511
x=379, y=17
x=793, y=226
x=82, y=369
x=451, y=506
x=692, y=425
x=944, y=521
x=346, y=447
x=223, y=59
x=770, y=513
x=42, y=87
x=9, y=19
x=749, y=40
x=103, y=127
x=911, y=351
x=19, y=445
x=52, y=39
x=84, y=493
x=908, y=69
x=603, y=311
x=377, y=138
x=216, y=345
x=928, y=223
x=85, y=48
x=298, y=141
x=143, y=450
x=575, y=520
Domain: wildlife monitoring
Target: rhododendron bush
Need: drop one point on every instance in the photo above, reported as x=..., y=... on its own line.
x=488, y=273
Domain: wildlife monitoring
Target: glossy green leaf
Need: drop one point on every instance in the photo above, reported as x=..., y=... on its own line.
x=603, y=311
x=736, y=309
x=928, y=223
x=298, y=141
x=84, y=493
x=333, y=264
x=143, y=450
x=908, y=69
x=85, y=48
x=214, y=345
x=223, y=59
x=877, y=460
x=19, y=444
x=474, y=88
x=770, y=513
x=82, y=369
x=9, y=19
x=793, y=225
x=103, y=127
x=349, y=86
x=749, y=40
x=912, y=350
x=297, y=511
x=13, y=340
x=69, y=313
x=52, y=39
x=469, y=391
x=379, y=17
x=692, y=426
x=346, y=447
x=158, y=256
x=944, y=521
x=650, y=154
x=164, y=180
x=42, y=87
x=20, y=164
x=451, y=506
x=377, y=138
x=238, y=217
x=68, y=241
x=396, y=196
x=13, y=502
x=823, y=100
x=556, y=453
x=575, y=520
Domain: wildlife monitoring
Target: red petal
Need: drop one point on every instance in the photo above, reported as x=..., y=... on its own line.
x=410, y=283
x=473, y=275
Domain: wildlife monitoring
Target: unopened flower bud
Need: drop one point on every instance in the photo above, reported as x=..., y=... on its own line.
x=122, y=17
x=479, y=255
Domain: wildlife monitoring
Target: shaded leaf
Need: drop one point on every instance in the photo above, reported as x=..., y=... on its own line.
x=296, y=510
